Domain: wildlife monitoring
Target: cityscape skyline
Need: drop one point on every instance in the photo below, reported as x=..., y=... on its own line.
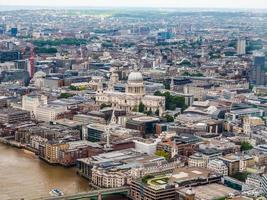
x=238, y=4
x=133, y=100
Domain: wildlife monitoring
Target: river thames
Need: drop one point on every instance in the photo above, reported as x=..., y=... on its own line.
x=24, y=175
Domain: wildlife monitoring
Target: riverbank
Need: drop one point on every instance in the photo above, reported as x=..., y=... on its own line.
x=9, y=141
x=24, y=175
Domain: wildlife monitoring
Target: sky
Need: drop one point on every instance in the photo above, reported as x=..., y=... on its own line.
x=251, y=4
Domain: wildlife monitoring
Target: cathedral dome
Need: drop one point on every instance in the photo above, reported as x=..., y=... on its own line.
x=135, y=77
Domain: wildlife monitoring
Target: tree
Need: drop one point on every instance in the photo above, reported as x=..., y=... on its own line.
x=135, y=109
x=198, y=74
x=103, y=105
x=59, y=42
x=169, y=118
x=158, y=93
x=172, y=102
x=146, y=178
x=65, y=95
x=149, y=112
x=45, y=50
x=162, y=153
x=71, y=87
x=167, y=85
x=245, y=146
x=141, y=107
x=251, y=86
x=157, y=112
x=241, y=176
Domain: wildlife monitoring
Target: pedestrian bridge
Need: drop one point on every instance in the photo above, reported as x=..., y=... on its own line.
x=94, y=194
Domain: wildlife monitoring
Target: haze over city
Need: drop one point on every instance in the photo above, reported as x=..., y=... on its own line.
x=249, y=4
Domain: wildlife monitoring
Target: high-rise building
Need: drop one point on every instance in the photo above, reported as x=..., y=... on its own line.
x=257, y=73
x=241, y=47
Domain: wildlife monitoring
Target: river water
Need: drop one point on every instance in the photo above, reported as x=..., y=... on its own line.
x=24, y=175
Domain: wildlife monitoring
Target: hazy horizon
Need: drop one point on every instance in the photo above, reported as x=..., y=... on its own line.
x=223, y=4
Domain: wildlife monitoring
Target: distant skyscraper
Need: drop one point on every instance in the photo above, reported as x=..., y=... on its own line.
x=257, y=73
x=241, y=47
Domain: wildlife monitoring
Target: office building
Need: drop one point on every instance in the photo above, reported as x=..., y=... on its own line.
x=9, y=56
x=257, y=72
x=218, y=166
x=164, y=186
x=13, y=116
x=31, y=102
x=241, y=47
x=48, y=113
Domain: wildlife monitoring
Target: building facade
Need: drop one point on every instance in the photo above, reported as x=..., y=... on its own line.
x=133, y=96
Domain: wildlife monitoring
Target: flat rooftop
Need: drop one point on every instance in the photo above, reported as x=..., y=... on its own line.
x=179, y=175
x=211, y=191
x=68, y=122
x=189, y=173
x=145, y=119
x=245, y=111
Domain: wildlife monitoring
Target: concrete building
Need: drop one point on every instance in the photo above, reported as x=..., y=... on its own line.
x=241, y=47
x=218, y=166
x=254, y=181
x=11, y=116
x=164, y=186
x=238, y=114
x=146, y=146
x=232, y=163
x=197, y=160
x=257, y=72
x=145, y=124
x=8, y=55
x=31, y=102
x=118, y=168
x=3, y=101
x=249, y=122
x=49, y=113
x=76, y=150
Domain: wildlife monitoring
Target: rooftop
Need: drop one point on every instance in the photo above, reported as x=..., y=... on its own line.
x=145, y=119
x=211, y=191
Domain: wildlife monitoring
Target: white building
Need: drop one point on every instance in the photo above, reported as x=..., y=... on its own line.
x=254, y=181
x=38, y=79
x=218, y=166
x=146, y=146
x=133, y=96
x=241, y=47
x=31, y=102
x=49, y=113
x=197, y=160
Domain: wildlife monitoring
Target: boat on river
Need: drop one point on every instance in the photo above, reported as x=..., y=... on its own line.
x=56, y=193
